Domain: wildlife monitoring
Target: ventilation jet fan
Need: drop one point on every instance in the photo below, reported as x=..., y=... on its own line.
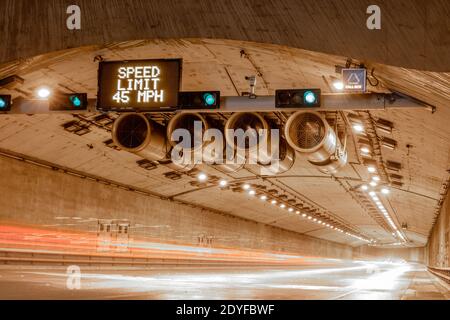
x=135, y=133
x=208, y=155
x=189, y=144
x=309, y=133
x=257, y=145
x=283, y=158
x=286, y=159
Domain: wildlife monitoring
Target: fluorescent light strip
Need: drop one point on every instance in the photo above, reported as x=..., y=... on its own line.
x=304, y=215
x=383, y=210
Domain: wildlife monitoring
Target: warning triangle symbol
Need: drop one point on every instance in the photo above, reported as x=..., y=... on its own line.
x=353, y=79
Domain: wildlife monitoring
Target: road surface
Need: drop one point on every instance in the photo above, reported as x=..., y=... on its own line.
x=340, y=280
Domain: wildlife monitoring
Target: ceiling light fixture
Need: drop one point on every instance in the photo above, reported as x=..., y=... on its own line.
x=202, y=177
x=383, y=210
x=365, y=150
x=223, y=183
x=338, y=85
x=358, y=128
x=43, y=92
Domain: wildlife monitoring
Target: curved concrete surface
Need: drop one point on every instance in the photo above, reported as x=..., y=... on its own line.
x=414, y=34
x=136, y=229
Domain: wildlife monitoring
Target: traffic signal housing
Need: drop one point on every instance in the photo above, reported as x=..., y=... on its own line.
x=298, y=98
x=5, y=102
x=68, y=102
x=199, y=100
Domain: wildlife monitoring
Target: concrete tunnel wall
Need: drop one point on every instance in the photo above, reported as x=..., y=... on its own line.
x=438, y=251
x=407, y=254
x=414, y=33
x=34, y=195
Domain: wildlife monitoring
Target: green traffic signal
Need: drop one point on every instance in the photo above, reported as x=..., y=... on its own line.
x=309, y=97
x=199, y=100
x=76, y=102
x=297, y=98
x=68, y=102
x=210, y=99
x=5, y=102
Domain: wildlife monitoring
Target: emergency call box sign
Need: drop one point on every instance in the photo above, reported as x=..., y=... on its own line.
x=138, y=85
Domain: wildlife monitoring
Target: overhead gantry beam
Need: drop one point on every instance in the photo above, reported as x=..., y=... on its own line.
x=329, y=102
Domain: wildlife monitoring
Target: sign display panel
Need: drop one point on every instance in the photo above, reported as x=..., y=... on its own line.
x=141, y=85
x=354, y=79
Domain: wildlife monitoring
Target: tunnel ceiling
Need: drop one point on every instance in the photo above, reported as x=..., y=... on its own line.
x=423, y=144
x=416, y=38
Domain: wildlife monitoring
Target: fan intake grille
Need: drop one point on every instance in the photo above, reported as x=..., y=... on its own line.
x=132, y=131
x=307, y=130
x=250, y=124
